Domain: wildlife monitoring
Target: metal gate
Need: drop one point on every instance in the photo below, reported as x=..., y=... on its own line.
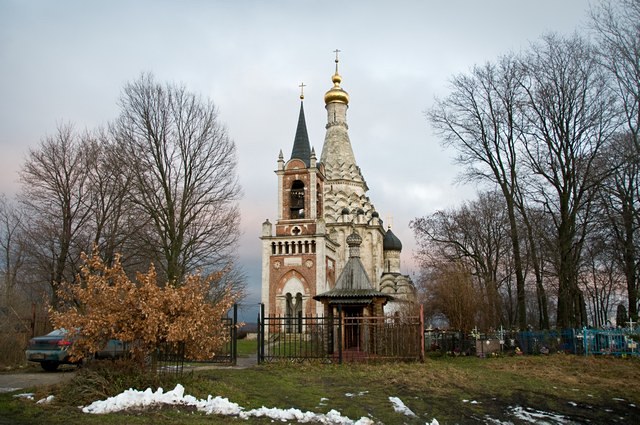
x=336, y=339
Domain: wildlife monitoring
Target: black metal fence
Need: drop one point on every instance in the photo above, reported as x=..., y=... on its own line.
x=337, y=339
x=170, y=358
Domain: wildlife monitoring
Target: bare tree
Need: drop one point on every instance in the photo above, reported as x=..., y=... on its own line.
x=570, y=116
x=481, y=119
x=475, y=235
x=11, y=244
x=183, y=169
x=618, y=31
x=450, y=292
x=617, y=28
x=114, y=225
x=600, y=278
x=619, y=213
x=56, y=197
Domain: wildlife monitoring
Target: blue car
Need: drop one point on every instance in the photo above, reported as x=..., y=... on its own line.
x=52, y=350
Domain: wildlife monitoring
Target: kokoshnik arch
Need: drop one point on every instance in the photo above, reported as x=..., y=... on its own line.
x=330, y=248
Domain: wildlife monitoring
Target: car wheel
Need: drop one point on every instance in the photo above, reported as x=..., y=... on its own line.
x=50, y=366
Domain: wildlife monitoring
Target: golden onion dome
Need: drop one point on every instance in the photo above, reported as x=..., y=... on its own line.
x=336, y=93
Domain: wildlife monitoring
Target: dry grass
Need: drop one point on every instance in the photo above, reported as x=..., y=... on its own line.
x=595, y=390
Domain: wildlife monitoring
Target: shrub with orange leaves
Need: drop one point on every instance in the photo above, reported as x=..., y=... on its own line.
x=105, y=304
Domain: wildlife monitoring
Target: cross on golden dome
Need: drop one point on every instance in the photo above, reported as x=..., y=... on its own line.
x=336, y=93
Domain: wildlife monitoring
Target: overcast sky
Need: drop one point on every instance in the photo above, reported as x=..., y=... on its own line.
x=67, y=61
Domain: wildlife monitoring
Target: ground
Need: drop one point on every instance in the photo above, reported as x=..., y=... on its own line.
x=539, y=389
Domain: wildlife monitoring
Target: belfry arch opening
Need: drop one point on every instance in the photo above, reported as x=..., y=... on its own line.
x=296, y=200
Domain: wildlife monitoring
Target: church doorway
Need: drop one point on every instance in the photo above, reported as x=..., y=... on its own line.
x=352, y=327
x=293, y=313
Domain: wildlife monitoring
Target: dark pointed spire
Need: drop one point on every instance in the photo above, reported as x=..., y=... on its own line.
x=301, y=146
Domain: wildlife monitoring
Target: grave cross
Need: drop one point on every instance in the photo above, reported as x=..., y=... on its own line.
x=631, y=324
x=475, y=333
x=501, y=335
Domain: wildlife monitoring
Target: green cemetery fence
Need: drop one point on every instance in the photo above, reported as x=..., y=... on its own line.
x=620, y=342
x=338, y=339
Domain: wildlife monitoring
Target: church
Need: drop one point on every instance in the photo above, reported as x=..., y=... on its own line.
x=330, y=248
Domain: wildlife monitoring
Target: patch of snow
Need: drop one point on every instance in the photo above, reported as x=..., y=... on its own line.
x=533, y=416
x=360, y=394
x=433, y=422
x=28, y=396
x=8, y=389
x=619, y=399
x=490, y=420
x=213, y=405
x=632, y=405
x=465, y=401
x=45, y=400
x=572, y=403
x=475, y=402
x=400, y=407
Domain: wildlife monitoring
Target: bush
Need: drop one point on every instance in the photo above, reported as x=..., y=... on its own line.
x=105, y=304
x=100, y=379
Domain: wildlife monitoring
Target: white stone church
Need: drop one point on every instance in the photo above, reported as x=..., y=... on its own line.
x=329, y=248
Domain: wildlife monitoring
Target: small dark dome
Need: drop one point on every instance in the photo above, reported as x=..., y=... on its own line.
x=345, y=211
x=375, y=214
x=391, y=242
x=354, y=239
x=360, y=211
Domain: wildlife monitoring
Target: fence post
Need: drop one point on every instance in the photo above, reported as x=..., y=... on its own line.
x=585, y=340
x=421, y=332
x=259, y=338
x=261, y=334
x=339, y=334
x=234, y=336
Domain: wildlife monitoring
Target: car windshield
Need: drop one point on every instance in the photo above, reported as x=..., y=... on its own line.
x=57, y=332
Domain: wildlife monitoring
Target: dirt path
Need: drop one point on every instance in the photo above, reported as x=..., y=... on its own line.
x=19, y=381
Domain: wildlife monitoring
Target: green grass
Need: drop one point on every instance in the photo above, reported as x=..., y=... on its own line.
x=434, y=389
x=247, y=347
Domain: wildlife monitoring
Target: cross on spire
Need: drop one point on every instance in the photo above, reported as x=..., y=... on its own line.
x=302, y=86
x=337, y=60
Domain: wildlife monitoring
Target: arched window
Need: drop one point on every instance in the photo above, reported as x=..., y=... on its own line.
x=296, y=200
x=289, y=313
x=293, y=313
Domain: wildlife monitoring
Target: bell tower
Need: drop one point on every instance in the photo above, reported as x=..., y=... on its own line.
x=298, y=260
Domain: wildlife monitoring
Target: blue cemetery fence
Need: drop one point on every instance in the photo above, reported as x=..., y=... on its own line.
x=586, y=341
x=617, y=342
